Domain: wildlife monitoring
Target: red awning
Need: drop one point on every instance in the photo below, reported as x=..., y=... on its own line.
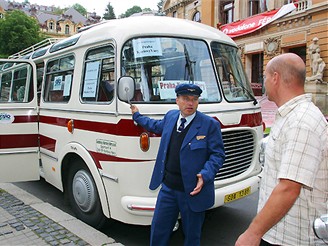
x=256, y=22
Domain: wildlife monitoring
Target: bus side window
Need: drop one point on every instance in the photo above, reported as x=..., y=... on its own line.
x=5, y=86
x=39, y=74
x=20, y=82
x=99, y=75
x=59, y=78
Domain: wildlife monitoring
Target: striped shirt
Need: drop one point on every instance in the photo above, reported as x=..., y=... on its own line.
x=297, y=150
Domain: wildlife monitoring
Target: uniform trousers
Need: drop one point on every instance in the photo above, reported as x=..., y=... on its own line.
x=169, y=203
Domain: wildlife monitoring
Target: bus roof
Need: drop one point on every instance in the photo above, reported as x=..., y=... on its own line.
x=126, y=28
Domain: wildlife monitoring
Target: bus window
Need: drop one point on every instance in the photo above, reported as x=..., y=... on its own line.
x=5, y=86
x=59, y=78
x=16, y=84
x=39, y=75
x=235, y=85
x=99, y=75
x=159, y=64
x=19, y=85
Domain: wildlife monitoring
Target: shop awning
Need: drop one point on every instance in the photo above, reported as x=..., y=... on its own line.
x=256, y=22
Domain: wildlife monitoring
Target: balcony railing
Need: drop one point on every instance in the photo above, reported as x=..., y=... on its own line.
x=302, y=5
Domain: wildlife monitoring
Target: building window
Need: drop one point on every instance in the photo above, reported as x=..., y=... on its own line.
x=51, y=26
x=196, y=17
x=66, y=29
x=300, y=51
x=174, y=14
x=227, y=9
x=253, y=7
x=257, y=73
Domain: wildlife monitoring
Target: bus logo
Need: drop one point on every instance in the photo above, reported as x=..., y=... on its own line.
x=6, y=118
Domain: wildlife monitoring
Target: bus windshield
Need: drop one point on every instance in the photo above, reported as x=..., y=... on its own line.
x=235, y=84
x=159, y=64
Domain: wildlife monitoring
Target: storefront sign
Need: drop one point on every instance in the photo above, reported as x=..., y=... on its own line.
x=256, y=22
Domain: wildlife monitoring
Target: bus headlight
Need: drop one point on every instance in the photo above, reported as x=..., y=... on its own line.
x=320, y=227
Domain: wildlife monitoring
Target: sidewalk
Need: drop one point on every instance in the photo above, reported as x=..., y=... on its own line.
x=268, y=110
x=27, y=220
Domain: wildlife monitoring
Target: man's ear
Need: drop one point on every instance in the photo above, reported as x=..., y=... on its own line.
x=276, y=78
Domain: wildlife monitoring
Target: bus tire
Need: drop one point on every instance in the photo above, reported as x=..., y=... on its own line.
x=83, y=195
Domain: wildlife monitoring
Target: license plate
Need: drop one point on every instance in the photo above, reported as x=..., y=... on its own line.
x=237, y=195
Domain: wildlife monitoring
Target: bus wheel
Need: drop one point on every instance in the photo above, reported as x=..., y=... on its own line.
x=83, y=196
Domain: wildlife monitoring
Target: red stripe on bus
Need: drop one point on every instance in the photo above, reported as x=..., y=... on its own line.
x=247, y=120
x=97, y=157
x=47, y=143
x=123, y=128
x=126, y=127
x=18, y=141
x=26, y=119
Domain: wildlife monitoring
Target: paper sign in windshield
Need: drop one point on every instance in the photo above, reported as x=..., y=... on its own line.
x=167, y=88
x=147, y=47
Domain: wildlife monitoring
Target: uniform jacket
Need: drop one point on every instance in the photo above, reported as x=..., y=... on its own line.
x=201, y=152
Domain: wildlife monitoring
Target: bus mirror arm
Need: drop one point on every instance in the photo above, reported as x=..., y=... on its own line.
x=126, y=89
x=127, y=95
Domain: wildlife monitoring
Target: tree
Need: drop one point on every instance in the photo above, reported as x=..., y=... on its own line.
x=79, y=8
x=109, y=14
x=131, y=11
x=17, y=32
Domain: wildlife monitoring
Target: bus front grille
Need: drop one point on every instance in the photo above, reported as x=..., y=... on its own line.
x=239, y=146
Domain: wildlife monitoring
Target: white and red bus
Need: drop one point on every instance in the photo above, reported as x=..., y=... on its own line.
x=65, y=113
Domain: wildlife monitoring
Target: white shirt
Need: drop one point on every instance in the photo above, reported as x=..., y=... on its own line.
x=188, y=120
x=297, y=150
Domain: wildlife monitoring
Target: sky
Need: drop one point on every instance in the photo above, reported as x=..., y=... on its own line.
x=99, y=6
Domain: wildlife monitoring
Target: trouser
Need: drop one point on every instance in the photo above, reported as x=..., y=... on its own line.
x=169, y=203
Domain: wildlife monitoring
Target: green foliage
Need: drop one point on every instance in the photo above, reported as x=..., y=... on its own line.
x=58, y=11
x=17, y=32
x=109, y=14
x=79, y=8
x=131, y=11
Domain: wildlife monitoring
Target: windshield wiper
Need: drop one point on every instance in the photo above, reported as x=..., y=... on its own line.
x=189, y=64
x=248, y=92
x=244, y=88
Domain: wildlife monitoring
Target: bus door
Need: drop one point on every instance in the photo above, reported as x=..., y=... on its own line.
x=18, y=121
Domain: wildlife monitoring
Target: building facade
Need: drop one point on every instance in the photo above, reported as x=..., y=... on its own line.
x=53, y=25
x=296, y=30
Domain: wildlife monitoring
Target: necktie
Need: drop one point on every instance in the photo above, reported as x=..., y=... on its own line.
x=181, y=127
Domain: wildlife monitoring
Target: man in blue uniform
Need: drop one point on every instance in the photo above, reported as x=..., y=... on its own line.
x=191, y=152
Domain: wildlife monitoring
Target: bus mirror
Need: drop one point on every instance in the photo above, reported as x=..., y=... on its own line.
x=320, y=227
x=126, y=88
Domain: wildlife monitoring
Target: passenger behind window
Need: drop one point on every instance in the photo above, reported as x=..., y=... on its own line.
x=107, y=92
x=21, y=93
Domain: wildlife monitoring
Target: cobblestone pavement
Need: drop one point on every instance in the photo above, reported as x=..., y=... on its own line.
x=37, y=223
x=20, y=222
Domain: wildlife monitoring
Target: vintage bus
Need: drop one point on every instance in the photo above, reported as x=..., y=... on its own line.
x=65, y=112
